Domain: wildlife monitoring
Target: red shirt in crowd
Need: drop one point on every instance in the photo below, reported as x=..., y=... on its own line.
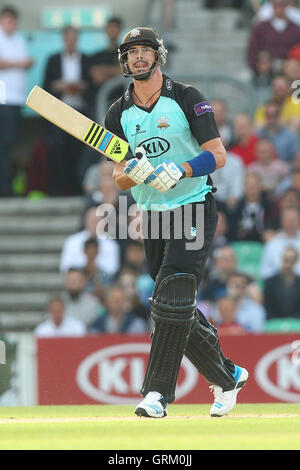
x=247, y=152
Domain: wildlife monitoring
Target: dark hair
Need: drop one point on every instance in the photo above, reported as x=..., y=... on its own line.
x=8, y=10
x=68, y=28
x=115, y=19
x=91, y=241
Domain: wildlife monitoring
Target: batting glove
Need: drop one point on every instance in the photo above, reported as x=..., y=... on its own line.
x=139, y=168
x=165, y=176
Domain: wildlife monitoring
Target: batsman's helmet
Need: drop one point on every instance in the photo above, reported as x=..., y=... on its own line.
x=142, y=36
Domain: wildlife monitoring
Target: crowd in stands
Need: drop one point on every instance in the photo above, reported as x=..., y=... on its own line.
x=105, y=282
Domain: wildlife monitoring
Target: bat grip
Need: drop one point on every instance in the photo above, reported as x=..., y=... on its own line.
x=129, y=155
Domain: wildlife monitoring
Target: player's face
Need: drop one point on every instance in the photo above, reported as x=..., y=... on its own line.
x=140, y=58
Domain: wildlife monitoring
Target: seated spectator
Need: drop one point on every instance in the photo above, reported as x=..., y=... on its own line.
x=285, y=140
x=292, y=178
x=245, y=138
x=268, y=166
x=108, y=259
x=59, y=323
x=265, y=11
x=94, y=175
x=249, y=314
x=276, y=35
x=261, y=79
x=220, y=237
x=287, y=236
x=229, y=193
x=118, y=318
x=134, y=257
x=227, y=314
x=96, y=279
x=289, y=110
x=254, y=213
x=282, y=291
x=128, y=280
x=225, y=264
x=291, y=69
x=290, y=198
x=224, y=124
x=79, y=303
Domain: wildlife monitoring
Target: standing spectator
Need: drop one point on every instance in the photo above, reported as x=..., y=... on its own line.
x=268, y=166
x=118, y=318
x=67, y=78
x=282, y=291
x=288, y=236
x=261, y=79
x=285, y=140
x=245, y=138
x=79, y=303
x=14, y=63
x=223, y=121
x=249, y=313
x=108, y=258
x=254, y=213
x=59, y=323
x=289, y=110
x=276, y=35
x=105, y=64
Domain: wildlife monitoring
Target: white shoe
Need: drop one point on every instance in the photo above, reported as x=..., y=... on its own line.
x=226, y=401
x=153, y=406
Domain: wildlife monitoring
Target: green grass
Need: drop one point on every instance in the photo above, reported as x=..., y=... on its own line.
x=253, y=426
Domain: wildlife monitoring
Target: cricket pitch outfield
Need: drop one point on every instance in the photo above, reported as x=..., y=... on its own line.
x=188, y=427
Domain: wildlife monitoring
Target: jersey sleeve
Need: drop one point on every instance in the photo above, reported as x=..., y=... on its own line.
x=200, y=116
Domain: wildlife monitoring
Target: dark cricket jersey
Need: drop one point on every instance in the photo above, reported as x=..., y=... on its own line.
x=173, y=128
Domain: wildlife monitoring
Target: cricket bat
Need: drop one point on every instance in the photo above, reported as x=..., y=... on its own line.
x=78, y=125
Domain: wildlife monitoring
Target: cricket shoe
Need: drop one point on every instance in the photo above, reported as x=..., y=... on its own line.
x=226, y=401
x=153, y=406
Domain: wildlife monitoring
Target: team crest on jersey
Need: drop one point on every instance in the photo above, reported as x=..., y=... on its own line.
x=134, y=33
x=163, y=122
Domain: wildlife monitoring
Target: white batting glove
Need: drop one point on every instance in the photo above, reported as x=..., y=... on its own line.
x=165, y=176
x=139, y=168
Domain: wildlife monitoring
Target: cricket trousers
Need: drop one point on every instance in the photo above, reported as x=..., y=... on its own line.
x=185, y=249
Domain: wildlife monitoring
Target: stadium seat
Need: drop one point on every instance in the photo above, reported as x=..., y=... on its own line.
x=282, y=325
x=249, y=256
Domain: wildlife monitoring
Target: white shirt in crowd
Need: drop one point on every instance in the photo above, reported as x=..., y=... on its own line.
x=13, y=48
x=68, y=327
x=266, y=13
x=229, y=179
x=85, y=308
x=272, y=256
x=71, y=73
x=108, y=259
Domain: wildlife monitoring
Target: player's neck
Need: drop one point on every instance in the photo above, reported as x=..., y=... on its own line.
x=144, y=89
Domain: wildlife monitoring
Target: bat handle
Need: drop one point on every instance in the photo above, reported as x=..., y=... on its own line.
x=129, y=155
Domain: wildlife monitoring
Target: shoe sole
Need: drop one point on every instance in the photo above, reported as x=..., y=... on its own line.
x=143, y=413
x=238, y=387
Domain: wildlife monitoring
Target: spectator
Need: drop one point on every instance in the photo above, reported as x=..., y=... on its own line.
x=289, y=110
x=128, y=280
x=245, y=138
x=282, y=291
x=227, y=313
x=79, y=303
x=291, y=69
x=14, y=63
x=288, y=236
x=253, y=214
x=261, y=79
x=220, y=238
x=59, y=323
x=270, y=169
x=94, y=175
x=292, y=178
x=285, y=140
x=134, y=257
x=228, y=193
x=67, y=78
x=223, y=122
x=225, y=264
x=96, y=280
x=105, y=64
x=249, y=314
x=108, y=258
x=290, y=198
x=265, y=12
x=118, y=318
x=276, y=35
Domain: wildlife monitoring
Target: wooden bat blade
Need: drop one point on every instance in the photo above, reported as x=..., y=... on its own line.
x=68, y=119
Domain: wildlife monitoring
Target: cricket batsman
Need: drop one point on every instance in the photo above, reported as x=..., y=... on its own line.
x=172, y=133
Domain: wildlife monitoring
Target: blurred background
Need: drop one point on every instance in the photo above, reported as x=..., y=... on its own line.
x=58, y=275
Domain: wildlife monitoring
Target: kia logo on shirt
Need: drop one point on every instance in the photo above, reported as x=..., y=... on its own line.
x=278, y=373
x=155, y=147
x=115, y=374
